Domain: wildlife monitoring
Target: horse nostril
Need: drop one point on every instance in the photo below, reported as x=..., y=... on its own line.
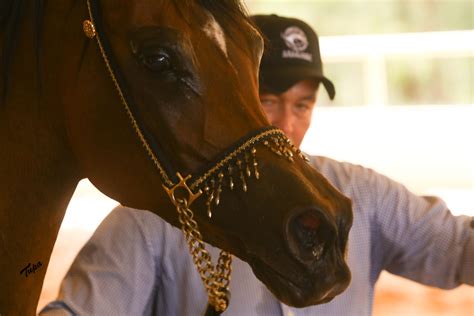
x=308, y=235
x=309, y=221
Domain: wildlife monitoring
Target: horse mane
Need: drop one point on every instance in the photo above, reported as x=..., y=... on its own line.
x=5, y=7
x=11, y=13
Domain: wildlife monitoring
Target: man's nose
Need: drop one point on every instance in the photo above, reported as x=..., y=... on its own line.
x=285, y=121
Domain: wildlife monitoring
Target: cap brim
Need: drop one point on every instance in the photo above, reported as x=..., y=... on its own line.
x=278, y=81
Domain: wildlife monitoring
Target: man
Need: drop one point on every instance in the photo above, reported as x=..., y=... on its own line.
x=136, y=264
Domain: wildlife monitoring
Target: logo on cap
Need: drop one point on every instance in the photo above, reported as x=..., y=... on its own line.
x=296, y=40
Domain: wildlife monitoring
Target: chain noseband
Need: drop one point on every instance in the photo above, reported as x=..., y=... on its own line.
x=233, y=168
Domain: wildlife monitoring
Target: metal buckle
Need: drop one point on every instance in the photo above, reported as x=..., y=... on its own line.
x=182, y=187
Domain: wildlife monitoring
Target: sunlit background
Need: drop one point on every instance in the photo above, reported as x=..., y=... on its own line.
x=403, y=71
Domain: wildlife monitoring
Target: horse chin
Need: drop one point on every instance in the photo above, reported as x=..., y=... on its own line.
x=313, y=290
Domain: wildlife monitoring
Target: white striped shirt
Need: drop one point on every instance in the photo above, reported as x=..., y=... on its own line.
x=137, y=264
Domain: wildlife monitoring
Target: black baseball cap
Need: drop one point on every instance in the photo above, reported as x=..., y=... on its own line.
x=291, y=54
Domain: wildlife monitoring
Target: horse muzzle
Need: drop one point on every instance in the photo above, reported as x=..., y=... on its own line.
x=304, y=263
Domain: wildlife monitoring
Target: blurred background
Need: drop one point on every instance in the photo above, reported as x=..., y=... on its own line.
x=403, y=71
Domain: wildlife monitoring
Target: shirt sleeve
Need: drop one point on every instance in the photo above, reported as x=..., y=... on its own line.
x=417, y=237
x=113, y=274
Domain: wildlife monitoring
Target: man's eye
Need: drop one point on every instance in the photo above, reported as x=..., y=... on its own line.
x=302, y=106
x=157, y=62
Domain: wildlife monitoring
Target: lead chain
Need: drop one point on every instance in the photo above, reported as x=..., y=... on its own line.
x=216, y=279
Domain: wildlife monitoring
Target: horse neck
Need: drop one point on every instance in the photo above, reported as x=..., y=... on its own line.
x=38, y=177
x=37, y=182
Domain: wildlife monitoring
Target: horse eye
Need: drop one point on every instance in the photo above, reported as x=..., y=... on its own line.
x=158, y=62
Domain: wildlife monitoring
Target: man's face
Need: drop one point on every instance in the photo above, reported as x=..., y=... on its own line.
x=291, y=110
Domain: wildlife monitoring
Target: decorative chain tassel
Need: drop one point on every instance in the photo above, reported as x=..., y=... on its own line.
x=242, y=168
x=216, y=279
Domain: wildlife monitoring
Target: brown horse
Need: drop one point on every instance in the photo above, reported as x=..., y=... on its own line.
x=157, y=89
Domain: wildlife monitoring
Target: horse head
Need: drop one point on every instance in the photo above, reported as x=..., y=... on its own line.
x=161, y=112
x=180, y=94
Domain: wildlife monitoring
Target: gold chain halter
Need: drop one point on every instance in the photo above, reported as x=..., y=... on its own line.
x=237, y=166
